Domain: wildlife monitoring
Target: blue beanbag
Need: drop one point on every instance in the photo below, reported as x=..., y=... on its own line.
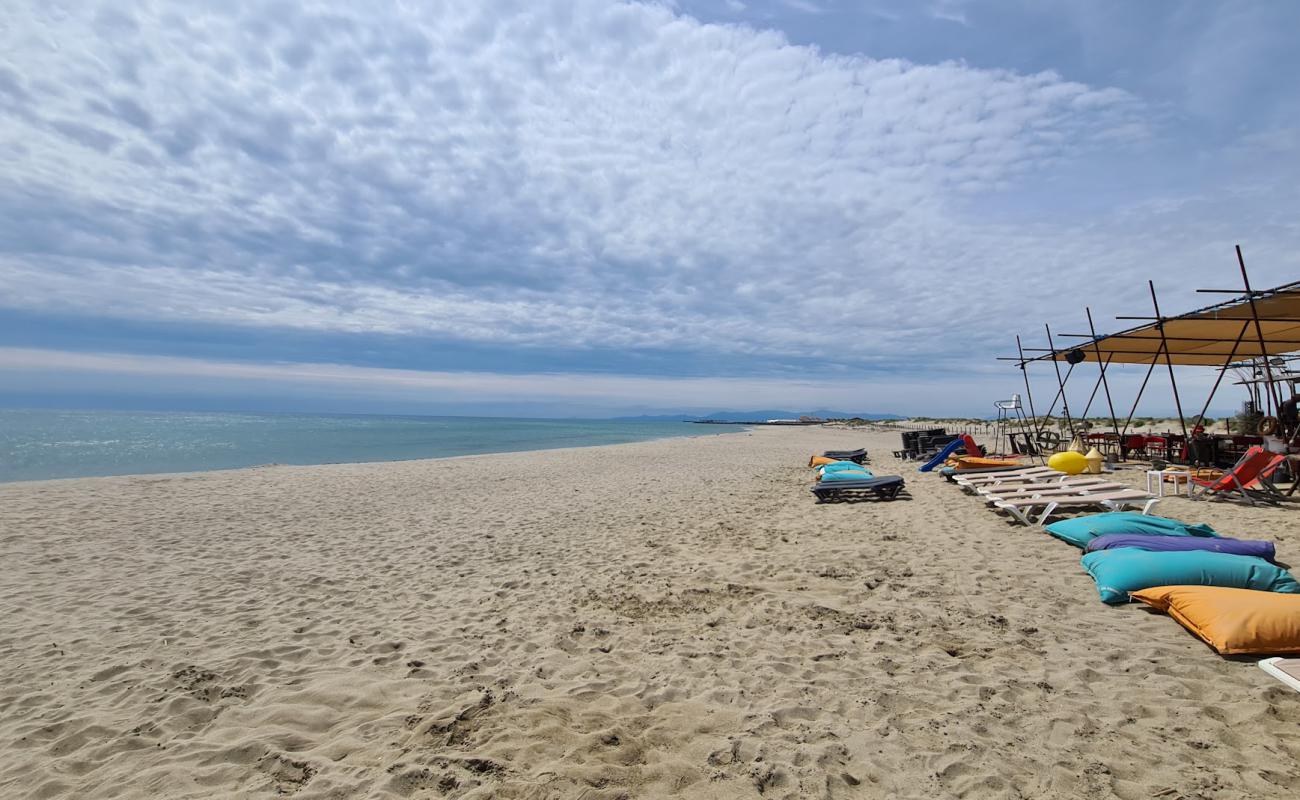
x=836, y=466
x=1217, y=544
x=1078, y=531
x=1127, y=569
x=858, y=474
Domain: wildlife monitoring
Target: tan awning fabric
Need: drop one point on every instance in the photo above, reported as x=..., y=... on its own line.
x=1208, y=337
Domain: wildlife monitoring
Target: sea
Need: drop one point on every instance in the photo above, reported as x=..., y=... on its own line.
x=40, y=444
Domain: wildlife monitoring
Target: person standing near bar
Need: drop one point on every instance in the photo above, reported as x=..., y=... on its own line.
x=1288, y=419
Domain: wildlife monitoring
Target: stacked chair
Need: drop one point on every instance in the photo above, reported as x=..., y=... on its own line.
x=923, y=445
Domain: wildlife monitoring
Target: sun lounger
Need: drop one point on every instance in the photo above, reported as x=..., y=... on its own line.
x=1010, y=478
x=1027, y=482
x=1056, y=488
x=1028, y=475
x=1009, y=486
x=1286, y=670
x=952, y=473
x=856, y=456
x=1003, y=474
x=1063, y=486
x=884, y=487
x=1118, y=500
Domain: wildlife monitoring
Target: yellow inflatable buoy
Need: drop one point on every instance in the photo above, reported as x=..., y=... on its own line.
x=1069, y=462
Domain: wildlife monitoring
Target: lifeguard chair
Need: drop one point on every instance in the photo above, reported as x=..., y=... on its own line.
x=1013, y=425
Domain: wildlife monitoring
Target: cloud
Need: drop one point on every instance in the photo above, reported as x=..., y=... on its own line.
x=949, y=11
x=548, y=174
x=334, y=386
x=577, y=177
x=804, y=6
x=107, y=373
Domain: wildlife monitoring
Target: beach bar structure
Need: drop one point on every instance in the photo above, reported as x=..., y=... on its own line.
x=1255, y=330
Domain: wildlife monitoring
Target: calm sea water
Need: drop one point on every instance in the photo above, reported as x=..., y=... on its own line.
x=36, y=445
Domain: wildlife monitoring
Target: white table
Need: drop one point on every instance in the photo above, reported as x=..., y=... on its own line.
x=1181, y=477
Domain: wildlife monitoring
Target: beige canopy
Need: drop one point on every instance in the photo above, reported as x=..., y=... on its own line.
x=1210, y=336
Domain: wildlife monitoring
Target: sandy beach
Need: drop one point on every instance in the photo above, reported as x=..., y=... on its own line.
x=669, y=618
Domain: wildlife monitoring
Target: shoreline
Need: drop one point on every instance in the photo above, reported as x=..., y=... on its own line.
x=278, y=465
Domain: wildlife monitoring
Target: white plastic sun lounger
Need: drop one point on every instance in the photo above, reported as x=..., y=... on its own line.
x=1037, y=477
x=1022, y=508
x=1090, y=485
x=1032, y=474
x=1286, y=670
x=1007, y=473
x=1028, y=481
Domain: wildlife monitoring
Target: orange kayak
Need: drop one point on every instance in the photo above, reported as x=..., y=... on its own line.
x=971, y=462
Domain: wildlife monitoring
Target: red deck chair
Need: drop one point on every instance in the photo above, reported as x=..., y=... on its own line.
x=1244, y=478
x=1135, y=445
x=1156, y=447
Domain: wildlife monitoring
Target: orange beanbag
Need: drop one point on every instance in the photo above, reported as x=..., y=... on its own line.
x=1232, y=620
x=817, y=461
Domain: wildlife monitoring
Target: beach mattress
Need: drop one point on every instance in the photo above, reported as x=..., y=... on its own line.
x=1078, y=531
x=1125, y=570
x=836, y=466
x=848, y=474
x=1232, y=620
x=1215, y=544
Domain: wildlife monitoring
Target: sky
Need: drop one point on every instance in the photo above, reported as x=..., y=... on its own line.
x=590, y=208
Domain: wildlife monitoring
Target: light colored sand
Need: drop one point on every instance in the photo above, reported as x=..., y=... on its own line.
x=642, y=620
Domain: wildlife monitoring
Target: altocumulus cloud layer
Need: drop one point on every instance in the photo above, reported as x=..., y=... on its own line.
x=540, y=178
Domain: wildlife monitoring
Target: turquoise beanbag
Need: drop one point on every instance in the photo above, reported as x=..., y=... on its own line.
x=1128, y=569
x=1078, y=531
x=836, y=466
x=858, y=474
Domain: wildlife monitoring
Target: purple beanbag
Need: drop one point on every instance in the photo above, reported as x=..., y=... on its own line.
x=1236, y=547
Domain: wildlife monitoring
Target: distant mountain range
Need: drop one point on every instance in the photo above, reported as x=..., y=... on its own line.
x=758, y=416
